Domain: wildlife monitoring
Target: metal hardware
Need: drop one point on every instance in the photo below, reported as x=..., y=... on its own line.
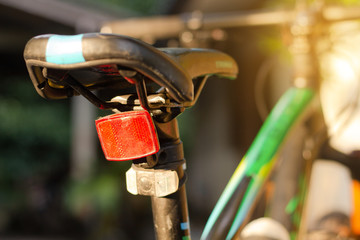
x=153, y=182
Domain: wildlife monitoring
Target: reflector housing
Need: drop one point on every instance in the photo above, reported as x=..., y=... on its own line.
x=127, y=136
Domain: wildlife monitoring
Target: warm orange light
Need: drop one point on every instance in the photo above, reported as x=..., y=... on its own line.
x=355, y=218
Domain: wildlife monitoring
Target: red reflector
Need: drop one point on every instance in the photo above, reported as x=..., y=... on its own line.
x=127, y=135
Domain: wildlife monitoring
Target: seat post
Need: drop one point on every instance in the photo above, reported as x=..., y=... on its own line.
x=170, y=215
x=163, y=178
x=172, y=208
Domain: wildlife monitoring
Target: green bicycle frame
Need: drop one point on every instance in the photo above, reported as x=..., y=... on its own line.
x=256, y=165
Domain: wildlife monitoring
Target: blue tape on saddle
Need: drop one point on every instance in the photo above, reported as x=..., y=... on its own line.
x=65, y=49
x=184, y=226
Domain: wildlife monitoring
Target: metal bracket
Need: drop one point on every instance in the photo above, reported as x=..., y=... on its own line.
x=153, y=182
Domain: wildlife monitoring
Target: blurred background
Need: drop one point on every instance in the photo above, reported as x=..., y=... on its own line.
x=54, y=180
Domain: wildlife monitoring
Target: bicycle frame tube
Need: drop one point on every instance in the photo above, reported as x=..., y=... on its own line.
x=258, y=162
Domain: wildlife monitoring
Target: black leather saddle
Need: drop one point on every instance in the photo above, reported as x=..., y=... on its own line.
x=95, y=60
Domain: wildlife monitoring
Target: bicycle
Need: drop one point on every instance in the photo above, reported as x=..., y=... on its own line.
x=304, y=23
x=299, y=103
x=150, y=81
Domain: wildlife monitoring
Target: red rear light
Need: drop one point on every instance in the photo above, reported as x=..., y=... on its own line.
x=127, y=135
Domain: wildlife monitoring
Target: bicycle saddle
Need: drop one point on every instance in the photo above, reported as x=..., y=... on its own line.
x=105, y=54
